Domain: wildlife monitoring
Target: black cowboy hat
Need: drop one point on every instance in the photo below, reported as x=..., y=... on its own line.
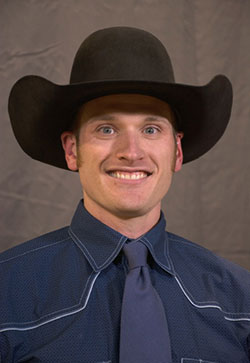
x=111, y=61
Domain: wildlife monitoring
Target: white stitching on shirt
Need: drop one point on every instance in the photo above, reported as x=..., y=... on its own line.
x=212, y=304
x=56, y=317
x=72, y=234
x=168, y=264
x=237, y=319
x=192, y=360
x=35, y=249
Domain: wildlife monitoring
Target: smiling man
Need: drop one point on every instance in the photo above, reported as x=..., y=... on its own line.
x=114, y=286
x=126, y=153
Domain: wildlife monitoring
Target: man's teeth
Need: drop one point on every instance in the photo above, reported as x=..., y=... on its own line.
x=123, y=175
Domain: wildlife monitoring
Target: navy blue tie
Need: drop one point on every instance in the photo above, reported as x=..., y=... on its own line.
x=144, y=336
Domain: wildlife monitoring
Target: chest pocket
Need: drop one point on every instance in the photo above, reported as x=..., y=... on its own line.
x=192, y=360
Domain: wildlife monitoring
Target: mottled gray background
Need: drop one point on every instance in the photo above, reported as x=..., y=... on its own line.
x=209, y=202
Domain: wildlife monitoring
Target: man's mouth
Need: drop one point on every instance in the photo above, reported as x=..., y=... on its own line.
x=135, y=175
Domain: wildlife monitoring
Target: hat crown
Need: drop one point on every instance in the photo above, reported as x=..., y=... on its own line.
x=121, y=53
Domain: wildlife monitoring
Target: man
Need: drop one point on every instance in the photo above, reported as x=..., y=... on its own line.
x=114, y=286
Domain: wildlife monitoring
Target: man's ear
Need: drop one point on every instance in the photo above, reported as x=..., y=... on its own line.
x=179, y=153
x=68, y=140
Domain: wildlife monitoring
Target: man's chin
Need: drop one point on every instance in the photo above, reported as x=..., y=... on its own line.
x=132, y=211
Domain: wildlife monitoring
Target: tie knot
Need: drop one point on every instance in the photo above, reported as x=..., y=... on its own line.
x=136, y=253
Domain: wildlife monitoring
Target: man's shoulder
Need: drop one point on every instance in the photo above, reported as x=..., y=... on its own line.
x=36, y=245
x=186, y=250
x=41, y=277
x=206, y=277
x=195, y=255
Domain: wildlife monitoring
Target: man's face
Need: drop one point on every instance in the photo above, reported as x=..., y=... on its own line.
x=126, y=154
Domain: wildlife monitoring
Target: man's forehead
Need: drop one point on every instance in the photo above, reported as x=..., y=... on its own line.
x=107, y=106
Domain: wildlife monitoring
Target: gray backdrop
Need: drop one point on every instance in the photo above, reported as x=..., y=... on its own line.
x=209, y=202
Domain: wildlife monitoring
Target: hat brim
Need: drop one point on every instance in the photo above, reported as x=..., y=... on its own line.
x=41, y=110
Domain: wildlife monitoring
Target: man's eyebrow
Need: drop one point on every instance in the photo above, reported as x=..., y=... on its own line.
x=156, y=118
x=111, y=117
x=108, y=117
x=102, y=117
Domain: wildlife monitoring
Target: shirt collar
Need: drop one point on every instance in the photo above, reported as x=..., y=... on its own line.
x=101, y=244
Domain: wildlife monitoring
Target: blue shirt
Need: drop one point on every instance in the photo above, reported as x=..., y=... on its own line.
x=61, y=295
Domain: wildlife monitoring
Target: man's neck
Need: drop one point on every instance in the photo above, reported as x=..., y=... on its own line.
x=132, y=227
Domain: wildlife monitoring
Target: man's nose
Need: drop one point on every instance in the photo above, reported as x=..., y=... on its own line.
x=129, y=147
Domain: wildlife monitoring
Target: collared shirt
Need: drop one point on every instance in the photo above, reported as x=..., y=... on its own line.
x=61, y=295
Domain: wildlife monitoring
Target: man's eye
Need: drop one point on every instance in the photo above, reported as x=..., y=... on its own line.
x=107, y=130
x=150, y=130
